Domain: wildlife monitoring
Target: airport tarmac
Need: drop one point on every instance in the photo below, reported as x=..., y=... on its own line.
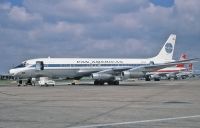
x=139, y=104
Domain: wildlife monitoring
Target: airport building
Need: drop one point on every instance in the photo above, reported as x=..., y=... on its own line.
x=6, y=77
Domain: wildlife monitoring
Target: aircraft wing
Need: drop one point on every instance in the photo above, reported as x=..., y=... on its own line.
x=144, y=69
x=147, y=68
x=186, y=61
x=152, y=68
x=114, y=71
x=160, y=73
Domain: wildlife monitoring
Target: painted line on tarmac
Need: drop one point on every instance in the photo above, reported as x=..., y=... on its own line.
x=137, y=122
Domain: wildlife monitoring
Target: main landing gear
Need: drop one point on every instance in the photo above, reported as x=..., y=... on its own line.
x=102, y=82
x=147, y=78
x=19, y=83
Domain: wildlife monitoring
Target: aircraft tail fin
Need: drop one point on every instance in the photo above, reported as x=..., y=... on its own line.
x=167, y=51
x=189, y=67
x=183, y=57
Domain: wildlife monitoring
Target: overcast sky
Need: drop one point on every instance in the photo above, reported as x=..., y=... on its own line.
x=95, y=28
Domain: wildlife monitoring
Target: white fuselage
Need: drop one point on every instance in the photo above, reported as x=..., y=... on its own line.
x=167, y=72
x=171, y=70
x=106, y=69
x=75, y=67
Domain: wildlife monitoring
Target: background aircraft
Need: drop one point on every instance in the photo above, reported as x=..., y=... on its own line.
x=169, y=72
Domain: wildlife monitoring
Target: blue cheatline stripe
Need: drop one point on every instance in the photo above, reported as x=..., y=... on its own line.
x=89, y=65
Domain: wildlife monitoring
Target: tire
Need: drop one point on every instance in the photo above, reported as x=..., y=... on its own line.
x=20, y=81
x=147, y=78
x=156, y=79
x=116, y=82
x=96, y=82
x=101, y=82
x=110, y=82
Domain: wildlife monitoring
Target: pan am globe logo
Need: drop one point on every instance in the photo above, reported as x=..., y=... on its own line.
x=168, y=48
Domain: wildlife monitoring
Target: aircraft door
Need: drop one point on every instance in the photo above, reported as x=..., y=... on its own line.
x=39, y=65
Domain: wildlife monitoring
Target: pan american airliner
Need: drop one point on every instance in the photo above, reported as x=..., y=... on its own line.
x=102, y=70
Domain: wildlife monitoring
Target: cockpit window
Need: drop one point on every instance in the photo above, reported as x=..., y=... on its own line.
x=21, y=65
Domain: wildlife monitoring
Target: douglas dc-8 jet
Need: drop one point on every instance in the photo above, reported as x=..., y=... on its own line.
x=102, y=70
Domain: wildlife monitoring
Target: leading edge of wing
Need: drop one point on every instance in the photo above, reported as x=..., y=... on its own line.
x=146, y=68
x=151, y=68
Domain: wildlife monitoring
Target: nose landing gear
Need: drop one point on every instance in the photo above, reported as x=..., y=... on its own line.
x=28, y=82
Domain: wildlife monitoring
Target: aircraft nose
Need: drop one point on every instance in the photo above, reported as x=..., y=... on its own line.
x=11, y=72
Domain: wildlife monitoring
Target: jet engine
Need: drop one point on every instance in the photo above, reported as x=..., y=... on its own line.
x=132, y=74
x=102, y=76
x=156, y=77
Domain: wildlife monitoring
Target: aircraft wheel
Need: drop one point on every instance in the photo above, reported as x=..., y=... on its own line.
x=19, y=83
x=96, y=82
x=147, y=78
x=156, y=79
x=116, y=82
x=101, y=82
x=110, y=82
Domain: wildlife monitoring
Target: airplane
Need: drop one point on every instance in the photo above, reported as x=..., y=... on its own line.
x=169, y=72
x=102, y=70
x=187, y=73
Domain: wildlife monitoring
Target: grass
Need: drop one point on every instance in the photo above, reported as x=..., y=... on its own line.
x=5, y=82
